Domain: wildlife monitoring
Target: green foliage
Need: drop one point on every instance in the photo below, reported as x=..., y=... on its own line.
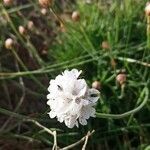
x=47, y=50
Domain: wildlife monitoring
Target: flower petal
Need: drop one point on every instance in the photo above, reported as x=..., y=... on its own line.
x=70, y=99
x=76, y=72
x=93, y=95
x=80, y=88
x=52, y=114
x=83, y=121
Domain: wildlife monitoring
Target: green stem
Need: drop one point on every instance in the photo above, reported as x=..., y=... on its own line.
x=56, y=16
x=24, y=118
x=132, y=115
x=25, y=73
x=99, y=115
x=18, y=8
x=122, y=91
x=29, y=44
x=148, y=31
x=13, y=114
x=87, y=39
x=26, y=69
x=118, y=116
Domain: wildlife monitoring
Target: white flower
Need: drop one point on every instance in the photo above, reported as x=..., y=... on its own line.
x=70, y=99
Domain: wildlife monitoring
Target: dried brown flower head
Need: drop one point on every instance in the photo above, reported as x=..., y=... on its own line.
x=121, y=78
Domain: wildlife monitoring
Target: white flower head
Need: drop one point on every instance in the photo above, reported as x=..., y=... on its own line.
x=70, y=99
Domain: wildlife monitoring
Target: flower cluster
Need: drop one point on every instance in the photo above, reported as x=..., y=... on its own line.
x=70, y=99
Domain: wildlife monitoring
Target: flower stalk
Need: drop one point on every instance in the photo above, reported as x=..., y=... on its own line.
x=99, y=115
x=148, y=31
x=126, y=114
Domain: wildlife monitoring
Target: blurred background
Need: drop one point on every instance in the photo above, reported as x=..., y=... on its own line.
x=107, y=39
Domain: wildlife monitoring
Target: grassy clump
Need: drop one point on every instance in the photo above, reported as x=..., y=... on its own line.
x=50, y=48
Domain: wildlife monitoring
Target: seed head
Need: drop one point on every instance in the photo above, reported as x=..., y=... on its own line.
x=96, y=85
x=22, y=30
x=75, y=16
x=8, y=2
x=147, y=9
x=9, y=43
x=121, y=78
x=45, y=3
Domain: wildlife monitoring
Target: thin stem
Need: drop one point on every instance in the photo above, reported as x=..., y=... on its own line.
x=122, y=91
x=18, y=8
x=134, y=61
x=20, y=101
x=131, y=116
x=87, y=39
x=6, y=89
x=118, y=116
x=86, y=140
x=13, y=114
x=78, y=142
x=27, y=119
x=14, y=74
x=34, y=51
x=55, y=140
x=148, y=31
x=40, y=125
x=56, y=16
x=29, y=44
x=25, y=68
x=18, y=136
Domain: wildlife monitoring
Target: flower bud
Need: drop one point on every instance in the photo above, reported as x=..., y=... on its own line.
x=96, y=85
x=75, y=16
x=9, y=43
x=30, y=25
x=22, y=30
x=45, y=3
x=105, y=45
x=44, y=52
x=121, y=78
x=8, y=2
x=44, y=11
x=147, y=9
